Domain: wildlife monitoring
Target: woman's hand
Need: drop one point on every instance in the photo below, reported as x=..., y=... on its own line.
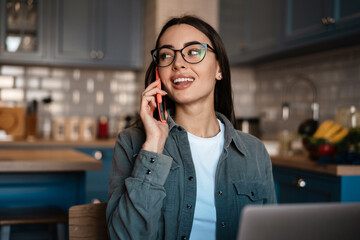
x=156, y=132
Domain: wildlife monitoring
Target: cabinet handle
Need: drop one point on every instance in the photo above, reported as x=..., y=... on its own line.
x=98, y=155
x=324, y=21
x=330, y=20
x=327, y=21
x=100, y=54
x=93, y=54
x=300, y=183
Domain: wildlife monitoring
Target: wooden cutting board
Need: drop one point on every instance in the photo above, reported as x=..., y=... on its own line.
x=12, y=120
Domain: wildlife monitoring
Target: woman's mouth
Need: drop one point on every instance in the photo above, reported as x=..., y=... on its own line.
x=183, y=80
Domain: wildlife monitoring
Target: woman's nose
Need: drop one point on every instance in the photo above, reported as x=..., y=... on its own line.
x=179, y=61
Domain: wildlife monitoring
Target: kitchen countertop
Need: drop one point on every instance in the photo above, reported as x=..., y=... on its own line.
x=302, y=162
x=33, y=160
x=52, y=143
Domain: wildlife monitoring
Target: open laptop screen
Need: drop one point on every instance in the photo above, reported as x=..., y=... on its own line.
x=311, y=221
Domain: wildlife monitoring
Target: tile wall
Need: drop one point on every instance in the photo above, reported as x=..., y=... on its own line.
x=75, y=92
x=335, y=75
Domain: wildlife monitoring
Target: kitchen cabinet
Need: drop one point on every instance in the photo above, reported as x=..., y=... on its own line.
x=249, y=28
x=307, y=21
x=23, y=32
x=97, y=182
x=299, y=186
x=98, y=33
x=263, y=30
x=87, y=33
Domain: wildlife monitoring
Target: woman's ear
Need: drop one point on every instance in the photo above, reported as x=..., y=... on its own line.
x=218, y=73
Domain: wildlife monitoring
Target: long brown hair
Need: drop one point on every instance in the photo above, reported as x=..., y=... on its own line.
x=223, y=99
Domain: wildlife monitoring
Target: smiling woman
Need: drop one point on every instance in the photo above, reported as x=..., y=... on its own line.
x=191, y=176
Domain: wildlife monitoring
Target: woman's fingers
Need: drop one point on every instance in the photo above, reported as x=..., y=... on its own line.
x=153, y=92
x=148, y=102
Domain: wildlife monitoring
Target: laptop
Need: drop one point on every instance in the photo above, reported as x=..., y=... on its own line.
x=306, y=221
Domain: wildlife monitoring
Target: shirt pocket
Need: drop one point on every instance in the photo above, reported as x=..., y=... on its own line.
x=171, y=188
x=250, y=193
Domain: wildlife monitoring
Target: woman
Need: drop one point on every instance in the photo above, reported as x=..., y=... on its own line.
x=190, y=177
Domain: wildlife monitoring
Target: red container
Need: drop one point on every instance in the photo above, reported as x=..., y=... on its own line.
x=103, y=127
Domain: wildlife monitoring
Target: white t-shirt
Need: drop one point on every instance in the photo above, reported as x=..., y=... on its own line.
x=205, y=153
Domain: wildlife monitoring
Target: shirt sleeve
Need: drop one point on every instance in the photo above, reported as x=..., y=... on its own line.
x=136, y=191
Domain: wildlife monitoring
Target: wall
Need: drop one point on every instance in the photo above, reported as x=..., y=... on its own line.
x=157, y=12
x=335, y=74
x=75, y=92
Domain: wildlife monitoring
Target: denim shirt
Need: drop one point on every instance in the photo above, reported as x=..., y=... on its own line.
x=152, y=196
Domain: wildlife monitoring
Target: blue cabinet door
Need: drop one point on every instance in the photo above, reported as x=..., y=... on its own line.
x=119, y=33
x=97, y=182
x=62, y=189
x=74, y=31
x=309, y=22
x=294, y=186
x=303, y=18
x=101, y=33
x=297, y=186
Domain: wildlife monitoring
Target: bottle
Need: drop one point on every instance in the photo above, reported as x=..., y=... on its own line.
x=31, y=121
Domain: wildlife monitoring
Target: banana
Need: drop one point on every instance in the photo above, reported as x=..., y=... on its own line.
x=324, y=127
x=339, y=136
x=336, y=127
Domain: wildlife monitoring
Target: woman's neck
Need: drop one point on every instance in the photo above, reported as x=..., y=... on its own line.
x=198, y=120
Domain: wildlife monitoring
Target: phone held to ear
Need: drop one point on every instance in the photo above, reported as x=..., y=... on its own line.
x=159, y=100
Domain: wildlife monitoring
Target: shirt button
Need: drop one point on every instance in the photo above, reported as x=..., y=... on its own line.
x=223, y=224
x=220, y=193
x=152, y=160
x=191, y=178
x=183, y=238
x=189, y=206
x=148, y=172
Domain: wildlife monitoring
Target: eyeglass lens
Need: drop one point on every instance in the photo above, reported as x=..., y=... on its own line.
x=192, y=54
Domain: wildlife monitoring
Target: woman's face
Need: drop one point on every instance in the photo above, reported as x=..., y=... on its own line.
x=189, y=83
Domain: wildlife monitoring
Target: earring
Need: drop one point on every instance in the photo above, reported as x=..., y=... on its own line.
x=220, y=76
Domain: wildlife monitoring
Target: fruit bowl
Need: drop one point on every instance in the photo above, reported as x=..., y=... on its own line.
x=325, y=141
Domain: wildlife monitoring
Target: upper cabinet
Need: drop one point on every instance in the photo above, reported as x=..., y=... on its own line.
x=95, y=32
x=249, y=28
x=22, y=30
x=88, y=33
x=308, y=21
x=270, y=29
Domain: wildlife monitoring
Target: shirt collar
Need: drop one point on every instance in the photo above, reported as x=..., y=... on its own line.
x=230, y=132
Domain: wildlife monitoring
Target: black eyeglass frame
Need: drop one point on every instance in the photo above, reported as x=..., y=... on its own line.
x=207, y=46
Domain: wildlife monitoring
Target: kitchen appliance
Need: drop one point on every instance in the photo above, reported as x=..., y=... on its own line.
x=249, y=125
x=12, y=121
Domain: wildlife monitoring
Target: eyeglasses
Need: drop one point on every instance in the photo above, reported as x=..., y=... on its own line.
x=193, y=53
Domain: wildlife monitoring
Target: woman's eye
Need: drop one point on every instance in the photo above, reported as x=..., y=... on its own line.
x=194, y=52
x=164, y=56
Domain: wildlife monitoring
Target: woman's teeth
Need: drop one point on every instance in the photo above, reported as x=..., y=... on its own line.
x=183, y=80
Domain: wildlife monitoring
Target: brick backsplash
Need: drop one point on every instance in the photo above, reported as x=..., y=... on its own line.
x=335, y=74
x=75, y=92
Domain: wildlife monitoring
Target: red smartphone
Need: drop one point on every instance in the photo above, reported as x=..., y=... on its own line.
x=159, y=100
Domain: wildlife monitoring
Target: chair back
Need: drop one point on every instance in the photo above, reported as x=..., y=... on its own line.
x=88, y=221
